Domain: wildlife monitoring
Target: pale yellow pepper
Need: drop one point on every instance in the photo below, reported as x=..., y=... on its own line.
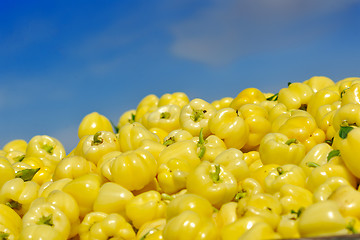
x=93, y=123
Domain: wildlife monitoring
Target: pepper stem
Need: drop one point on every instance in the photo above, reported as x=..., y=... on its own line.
x=97, y=139
x=240, y=195
x=27, y=174
x=169, y=141
x=201, y=144
x=351, y=226
x=47, y=220
x=280, y=170
x=215, y=176
x=165, y=115
x=291, y=141
x=4, y=236
x=165, y=196
x=132, y=119
x=312, y=164
x=48, y=148
x=19, y=158
x=14, y=204
x=197, y=115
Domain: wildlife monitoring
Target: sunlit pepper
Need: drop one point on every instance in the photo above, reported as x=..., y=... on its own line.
x=318, y=83
x=15, y=156
x=73, y=167
x=222, y=103
x=348, y=200
x=103, y=226
x=324, y=118
x=10, y=223
x=126, y=117
x=6, y=171
x=40, y=232
x=161, y=133
x=131, y=136
x=295, y=96
x=46, y=213
x=322, y=219
x=195, y=116
x=47, y=187
x=288, y=226
x=261, y=230
x=43, y=146
x=213, y=147
x=263, y=205
x=256, y=118
x=213, y=182
x=262, y=172
x=165, y=117
x=344, y=84
x=133, y=169
x=145, y=207
x=177, y=98
x=15, y=145
x=19, y=194
x=317, y=156
x=177, y=135
x=148, y=103
x=236, y=229
x=93, y=123
x=248, y=187
x=112, y=198
x=190, y=225
x=321, y=98
x=97, y=145
x=152, y=230
x=154, y=147
x=103, y=165
x=246, y=96
x=226, y=215
x=229, y=125
x=84, y=190
x=278, y=148
x=294, y=197
x=351, y=94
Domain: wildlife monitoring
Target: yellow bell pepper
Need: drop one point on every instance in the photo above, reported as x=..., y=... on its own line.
x=151, y=230
x=213, y=147
x=260, y=230
x=322, y=219
x=236, y=229
x=277, y=148
x=154, y=147
x=15, y=156
x=323, y=192
x=324, y=118
x=246, y=96
x=15, y=145
x=233, y=161
x=148, y=103
x=294, y=197
x=47, y=187
x=318, y=83
x=213, y=182
x=226, y=215
x=112, y=198
x=222, y=103
x=262, y=172
x=145, y=207
x=6, y=171
x=133, y=169
x=317, y=156
x=45, y=213
x=93, y=123
x=296, y=96
x=126, y=117
x=103, y=226
x=97, y=145
x=348, y=200
x=103, y=165
x=177, y=98
x=43, y=146
x=161, y=133
x=263, y=205
x=195, y=116
x=321, y=98
x=351, y=94
x=248, y=187
x=84, y=190
x=40, y=232
x=256, y=118
x=165, y=117
x=177, y=135
x=131, y=136
x=190, y=225
x=288, y=226
x=19, y=194
x=229, y=125
x=172, y=175
x=10, y=223
x=73, y=167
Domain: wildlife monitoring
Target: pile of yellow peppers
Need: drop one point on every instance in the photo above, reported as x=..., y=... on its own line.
x=256, y=166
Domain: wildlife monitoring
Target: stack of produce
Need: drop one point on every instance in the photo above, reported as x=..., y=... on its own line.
x=256, y=166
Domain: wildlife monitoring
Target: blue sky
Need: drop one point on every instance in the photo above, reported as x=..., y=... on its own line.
x=60, y=60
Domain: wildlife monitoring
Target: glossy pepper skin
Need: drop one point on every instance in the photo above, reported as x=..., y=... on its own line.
x=348, y=200
x=6, y=171
x=228, y=125
x=246, y=96
x=15, y=145
x=93, y=123
x=147, y=104
x=294, y=197
x=323, y=97
x=164, y=117
x=190, y=225
x=296, y=96
x=133, y=169
x=195, y=116
x=235, y=230
x=222, y=103
x=213, y=182
x=126, y=117
x=177, y=98
x=323, y=192
x=318, y=83
x=351, y=94
x=10, y=222
x=73, y=167
x=40, y=232
x=152, y=230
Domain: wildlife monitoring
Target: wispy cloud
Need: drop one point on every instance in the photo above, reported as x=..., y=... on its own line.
x=226, y=30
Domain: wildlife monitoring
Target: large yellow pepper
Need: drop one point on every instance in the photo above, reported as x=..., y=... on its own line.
x=177, y=135
x=279, y=149
x=323, y=192
x=190, y=225
x=164, y=117
x=248, y=187
x=222, y=103
x=93, y=123
x=324, y=118
x=177, y=98
x=213, y=182
x=295, y=96
x=73, y=167
x=321, y=98
x=84, y=190
x=294, y=197
x=236, y=229
x=145, y=207
x=318, y=83
x=15, y=145
x=10, y=223
x=212, y=146
x=126, y=117
x=131, y=136
x=246, y=96
x=351, y=94
x=40, y=232
x=288, y=226
x=103, y=226
x=317, y=156
x=133, y=169
x=261, y=230
x=47, y=187
x=148, y=103
x=6, y=171
x=151, y=230
x=228, y=125
x=195, y=116
x=348, y=200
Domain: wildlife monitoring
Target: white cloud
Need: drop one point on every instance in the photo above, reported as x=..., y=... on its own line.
x=228, y=29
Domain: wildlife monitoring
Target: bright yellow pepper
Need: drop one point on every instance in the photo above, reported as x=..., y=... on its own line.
x=324, y=118
x=294, y=197
x=40, y=232
x=93, y=123
x=246, y=96
x=213, y=182
x=47, y=187
x=165, y=117
x=248, y=187
x=195, y=116
x=145, y=105
x=213, y=147
x=236, y=229
x=102, y=226
x=131, y=136
x=229, y=125
x=226, y=215
x=103, y=165
x=323, y=192
x=190, y=225
x=154, y=147
x=288, y=226
x=15, y=145
x=73, y=167
x=262, y=172
x=348, y=200
x=84, y=190
x=112, y=198
x=177, y=135
x=10, y=223
x=151, y=230
x=145, y=207
x=317, y=156
x=279, y=149
x=177, y=98
x=321, y=98
x=45, y=213
x=322, y=219
x=6, y=171
x=126, y=117
x=295, y=96
x=318, y=83
x=161, y=133
x=261, y=230
x=222, y=103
